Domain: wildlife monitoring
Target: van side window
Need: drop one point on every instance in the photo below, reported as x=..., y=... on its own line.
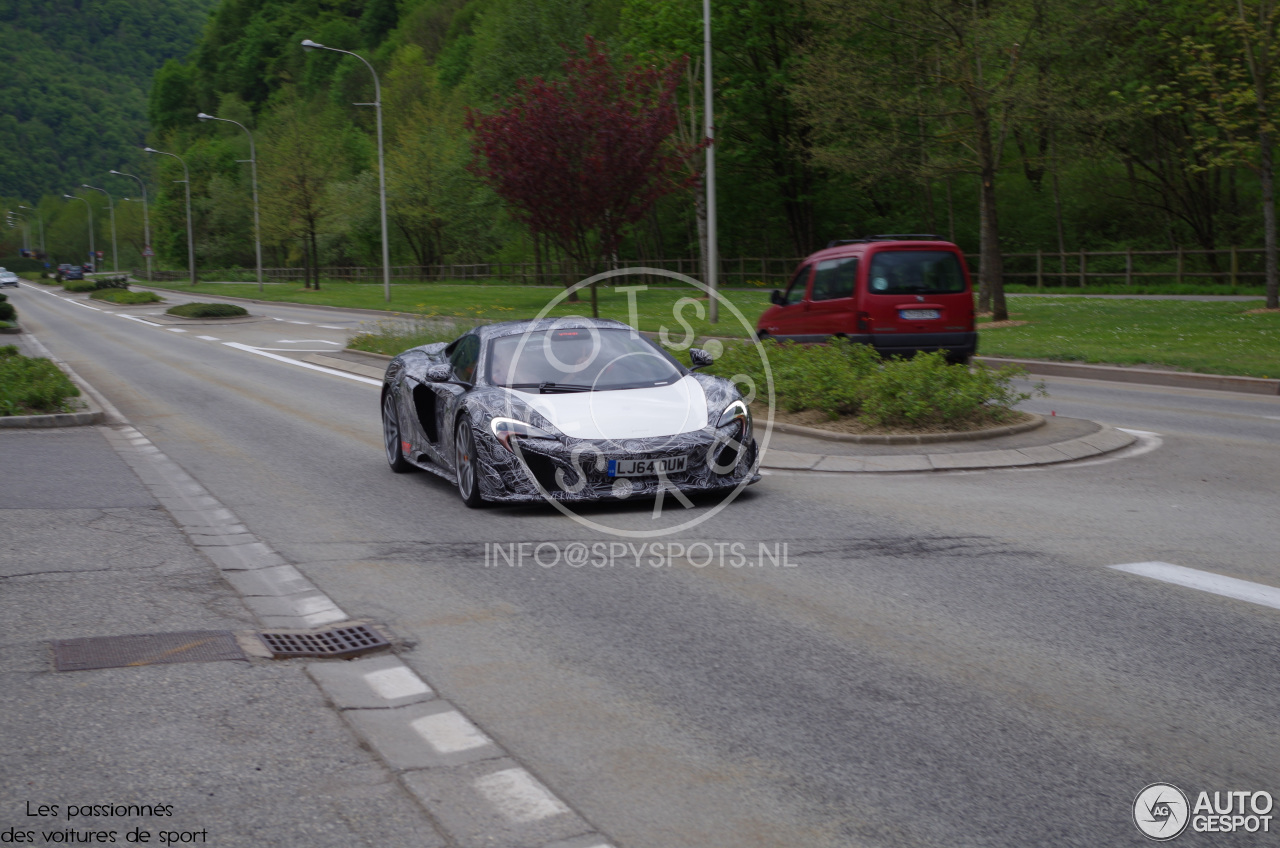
x=835, y=278
x=795, y=291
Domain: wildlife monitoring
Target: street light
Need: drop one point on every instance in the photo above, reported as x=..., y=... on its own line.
x=146, y=222
x=191, y=242
x=26, y=228
x=115, y=265
x=713, y=258
x=253, y=165
x=308, y=44
x=93, y=253
x=41, y=221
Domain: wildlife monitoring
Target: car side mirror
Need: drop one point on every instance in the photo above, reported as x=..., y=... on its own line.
x=439, y=373
x=700, y=358
x=775, y=297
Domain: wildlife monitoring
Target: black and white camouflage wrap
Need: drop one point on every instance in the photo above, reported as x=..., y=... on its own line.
x=564, y=468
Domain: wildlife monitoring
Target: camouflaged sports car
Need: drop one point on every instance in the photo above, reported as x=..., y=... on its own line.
x=564, y=409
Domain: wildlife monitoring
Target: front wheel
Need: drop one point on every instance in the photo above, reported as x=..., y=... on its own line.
x=466, y=465
x=391, y=434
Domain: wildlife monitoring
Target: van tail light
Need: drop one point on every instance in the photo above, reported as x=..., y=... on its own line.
x=864, y=322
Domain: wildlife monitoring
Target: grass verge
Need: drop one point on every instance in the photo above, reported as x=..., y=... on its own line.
x=124, y=297
x=1208, y=337
x=32, y=386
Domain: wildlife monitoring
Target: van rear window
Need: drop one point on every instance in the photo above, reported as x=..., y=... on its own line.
x=915, y=272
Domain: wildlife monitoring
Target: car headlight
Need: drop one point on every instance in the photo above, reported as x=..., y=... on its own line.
x=504, y=429
x=737, y=411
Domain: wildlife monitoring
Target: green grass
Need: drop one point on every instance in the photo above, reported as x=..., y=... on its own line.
x=32, y=386
x=485, y=303
x=1205, y=288
x=123, y=296
x=1210, y=338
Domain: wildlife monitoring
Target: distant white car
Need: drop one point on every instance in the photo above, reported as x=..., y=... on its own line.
x=8, y=278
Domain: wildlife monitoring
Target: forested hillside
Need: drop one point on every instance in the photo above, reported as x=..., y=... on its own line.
x=1008, y=125
x=75, y=83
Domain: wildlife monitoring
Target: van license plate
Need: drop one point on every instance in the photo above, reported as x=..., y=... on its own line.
x=919, y=314
x=647, y=467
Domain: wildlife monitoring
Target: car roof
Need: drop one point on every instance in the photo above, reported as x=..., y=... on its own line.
x=858, y=247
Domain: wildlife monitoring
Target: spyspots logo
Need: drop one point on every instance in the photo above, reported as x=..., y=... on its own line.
x=1161, y=811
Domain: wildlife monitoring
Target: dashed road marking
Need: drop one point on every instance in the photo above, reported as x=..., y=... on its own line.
x=306, y=341
x=209, y=338
x=450, y=732
x=1206, y=581
x=175, y=329
x=518, y=796
x=139, y=320
x=330, y=327
x=1137, y=432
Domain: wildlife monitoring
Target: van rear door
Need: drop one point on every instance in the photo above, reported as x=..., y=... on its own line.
x=917, y=297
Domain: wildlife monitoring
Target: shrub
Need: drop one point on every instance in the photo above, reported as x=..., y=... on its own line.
x=207, y=310
x=393, y=336
x=842, y=378
x=79, y=286
x=118, y=282
x=125, y=296
x=7, y=312
x=3, y=298
x=926, y=391
x=32, y=386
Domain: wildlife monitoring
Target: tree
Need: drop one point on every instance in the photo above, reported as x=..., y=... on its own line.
x=582, y=158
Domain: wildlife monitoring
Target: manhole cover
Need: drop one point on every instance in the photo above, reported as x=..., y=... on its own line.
x=145, y=649
x=338, y=642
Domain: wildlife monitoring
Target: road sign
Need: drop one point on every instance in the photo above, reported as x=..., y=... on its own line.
x=99, y=254
x=147, y=251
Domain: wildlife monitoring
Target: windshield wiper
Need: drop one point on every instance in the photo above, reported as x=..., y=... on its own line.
x=548, y=388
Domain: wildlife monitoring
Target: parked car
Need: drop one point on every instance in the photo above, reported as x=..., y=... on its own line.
x=71, y=272
x=8, y=278
x=566, y=409
x=900, y=294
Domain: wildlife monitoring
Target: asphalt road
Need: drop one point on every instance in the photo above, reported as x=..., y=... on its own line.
x=947, y=659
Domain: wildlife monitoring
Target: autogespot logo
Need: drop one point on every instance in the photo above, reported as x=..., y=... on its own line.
x=672, y=453
x=1160, y=811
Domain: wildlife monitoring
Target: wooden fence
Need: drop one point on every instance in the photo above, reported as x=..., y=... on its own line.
x=1043, y=269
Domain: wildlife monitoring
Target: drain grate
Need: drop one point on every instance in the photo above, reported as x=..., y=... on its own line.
x=145, y=649
x=338, y=642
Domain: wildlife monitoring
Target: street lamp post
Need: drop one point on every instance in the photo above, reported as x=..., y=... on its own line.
x=308, y=44
x=40, y=220
x=146, y=222
x=115, y=264
x=191, y=242
x=253, y=166
x=26, y=228
x=93, y=253
x=713, y=256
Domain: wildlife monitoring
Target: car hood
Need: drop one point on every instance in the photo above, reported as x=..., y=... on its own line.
x=623, y=413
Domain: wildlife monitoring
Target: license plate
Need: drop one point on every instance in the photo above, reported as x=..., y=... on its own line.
x=919, y=314
x=647, y=467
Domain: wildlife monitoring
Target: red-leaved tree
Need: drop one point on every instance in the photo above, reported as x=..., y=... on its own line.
x=580, y=159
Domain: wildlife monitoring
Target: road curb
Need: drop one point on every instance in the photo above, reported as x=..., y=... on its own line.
x=1149, y=376
x=1106, y=440
x=910, y=438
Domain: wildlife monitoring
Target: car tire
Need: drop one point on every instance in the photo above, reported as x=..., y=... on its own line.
x=391, y=434
x=466, y=467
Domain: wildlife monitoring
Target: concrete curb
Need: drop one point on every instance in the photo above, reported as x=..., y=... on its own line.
x=1149, y=376
x=910, y=438
x=1107, y=440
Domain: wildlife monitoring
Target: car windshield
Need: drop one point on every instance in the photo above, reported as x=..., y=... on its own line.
x=578, y=359
x=915, y=272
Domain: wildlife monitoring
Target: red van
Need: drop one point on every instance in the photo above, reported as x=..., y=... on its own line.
x=898, y=293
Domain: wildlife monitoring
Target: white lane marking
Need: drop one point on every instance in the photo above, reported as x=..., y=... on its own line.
x=298, y=349
x=307, y=323
x=175, y=329
x=449, y=732
x=330, y=327
x=306, y=341
x=1137, y=432
x=392, y=683
x=1272, y=417
x=209, y=338
x=359, y=379
x=518, y=796
x=140, y=320
x=1206, y=581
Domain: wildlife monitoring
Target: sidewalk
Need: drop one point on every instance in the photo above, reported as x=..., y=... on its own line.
x=101, y=535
